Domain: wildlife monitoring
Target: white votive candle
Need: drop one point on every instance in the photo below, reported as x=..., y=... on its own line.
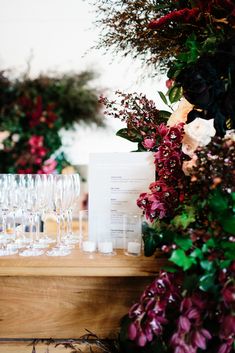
x=133, y=247
x=89, y=246
x=105, y=247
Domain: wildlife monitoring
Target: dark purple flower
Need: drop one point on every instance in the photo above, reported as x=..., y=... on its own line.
x=227, y=329
x=149, y=315
x=228, y=294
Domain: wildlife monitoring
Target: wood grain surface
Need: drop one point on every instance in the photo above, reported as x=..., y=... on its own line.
x=64, y=307
x=80, y=264
x=26, y=347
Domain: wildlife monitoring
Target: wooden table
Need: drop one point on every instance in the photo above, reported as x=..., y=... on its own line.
x=61, y=297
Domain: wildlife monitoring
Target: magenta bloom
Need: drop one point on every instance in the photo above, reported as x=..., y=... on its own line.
x=191, y=335
x=36, y=146
x=48, y=167
x=183, y=16
x=149, y=315
x=36, y=141
x=149, y=143
x=228, y=327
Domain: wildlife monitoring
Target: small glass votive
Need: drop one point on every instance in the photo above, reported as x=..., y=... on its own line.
x=132, y=234
x=87, y=244
x=106, y=245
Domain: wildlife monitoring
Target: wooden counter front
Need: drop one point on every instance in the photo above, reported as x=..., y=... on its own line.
x=79, y=264
x=60, y=297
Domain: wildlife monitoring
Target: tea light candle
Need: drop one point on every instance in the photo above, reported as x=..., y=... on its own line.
x=89, y=246
x=105, y=247
x=12, y=247
x=133, y=247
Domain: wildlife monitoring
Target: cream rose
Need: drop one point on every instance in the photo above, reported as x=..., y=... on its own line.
x=3, y=136
x=230, y=134
x=180, y=114
x=200, y=130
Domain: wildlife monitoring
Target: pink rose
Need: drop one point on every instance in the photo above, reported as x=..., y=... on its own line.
x=48, y=167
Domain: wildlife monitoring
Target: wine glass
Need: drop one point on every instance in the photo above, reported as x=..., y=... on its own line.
x=70, y=237
x=61, y=197
x=6, y=186
x=30, y=192
x=45, y=205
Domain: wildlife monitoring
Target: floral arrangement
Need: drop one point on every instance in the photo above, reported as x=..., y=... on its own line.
x=191, y=218
x=159, y=30
x=190, y=206
x=32, y=113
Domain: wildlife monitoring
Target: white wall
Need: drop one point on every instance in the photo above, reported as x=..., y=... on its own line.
x=58, y=35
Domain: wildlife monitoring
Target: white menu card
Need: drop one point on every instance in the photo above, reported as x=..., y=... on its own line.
x=115, y=182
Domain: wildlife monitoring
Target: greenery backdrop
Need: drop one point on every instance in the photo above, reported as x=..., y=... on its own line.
x=32, y=114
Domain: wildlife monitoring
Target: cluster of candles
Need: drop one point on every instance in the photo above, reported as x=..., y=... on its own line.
x=106, y=247
x=130, y=240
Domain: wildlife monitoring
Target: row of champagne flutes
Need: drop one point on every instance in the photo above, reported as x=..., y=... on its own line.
x=25, y=200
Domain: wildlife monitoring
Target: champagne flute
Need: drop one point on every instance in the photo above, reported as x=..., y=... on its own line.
x=70, y=237
x=61, y=189
x=5, y=206
x=30, y=203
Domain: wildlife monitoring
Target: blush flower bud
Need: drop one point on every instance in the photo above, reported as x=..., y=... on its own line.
x=132, y=331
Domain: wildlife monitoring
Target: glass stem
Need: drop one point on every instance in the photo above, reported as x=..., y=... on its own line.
x=14, y=223
x=31, y=230
x=37, y=221
x=70, y=220
x=4, y=224
x=58, y=232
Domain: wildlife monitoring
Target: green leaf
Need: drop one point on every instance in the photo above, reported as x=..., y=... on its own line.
x=197, y=253
x=185, y=218
x=170, y=269
x=207, y=282
x=164, y=114
x=174, y=71
x=150, y=245
x=228, y=245
x=141, y=147
x=230, y=254
x=163, y=97
x=230, y=250
x=175, y=93
x=190, y=282
x=233, y=196
x=193, y=47
x=209, y=244
x=129, y=135
x=151, y=238
x=181, y=259
x=209, y=44
x=218, y=201
x=184, y=243
x=224, y=264
x=228, y=223
x=207, y=265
